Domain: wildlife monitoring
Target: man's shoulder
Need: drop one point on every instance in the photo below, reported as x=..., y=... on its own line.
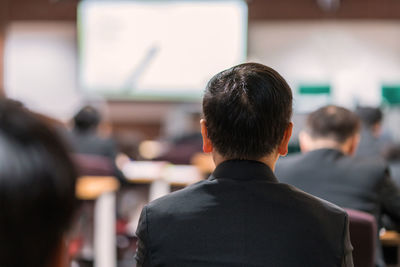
x=372, y=168
x=258, y=213
x=288, y=166
x=291, y=159
x=194, y=196
x=315, y=159
x=372, y=162
x=179, y=197
x=313, y=202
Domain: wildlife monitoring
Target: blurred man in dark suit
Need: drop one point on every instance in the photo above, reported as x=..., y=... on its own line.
x=327, y=170
x=242, y=215
x=87, y=145
x=371, y=144
x=85, y=138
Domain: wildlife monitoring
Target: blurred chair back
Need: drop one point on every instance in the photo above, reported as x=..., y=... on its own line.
x=363, y=236
x=93, y=165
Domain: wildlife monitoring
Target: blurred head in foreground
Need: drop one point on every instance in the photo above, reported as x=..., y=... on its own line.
x=247, y=114
x=331, y=127
x=37, y=190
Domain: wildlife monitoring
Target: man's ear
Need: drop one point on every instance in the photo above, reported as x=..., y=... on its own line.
x=283, y=147
x=304, y=141
x=207, y=146
x=353, y=144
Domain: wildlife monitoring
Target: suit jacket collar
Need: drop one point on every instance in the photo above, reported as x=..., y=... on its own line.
x=243, y=170
x=326, y=153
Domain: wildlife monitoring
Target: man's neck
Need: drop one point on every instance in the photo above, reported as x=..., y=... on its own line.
x=320, y=144
x=327, y=144
x=269, y=160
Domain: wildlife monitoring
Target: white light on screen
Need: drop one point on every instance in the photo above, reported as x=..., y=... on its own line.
x=159, y=47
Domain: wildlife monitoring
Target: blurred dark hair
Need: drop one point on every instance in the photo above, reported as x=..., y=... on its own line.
x=332, y=122
x=369, y=115
x=247, y=109
x=37, y=188
x=87, y=118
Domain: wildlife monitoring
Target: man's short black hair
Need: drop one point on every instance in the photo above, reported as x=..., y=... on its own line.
x=87, y=118
x=369, y=116
x=332, y=122
x=37, y=188
x=247, y=109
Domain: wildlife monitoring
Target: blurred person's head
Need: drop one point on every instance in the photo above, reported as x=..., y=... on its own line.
x=331, y=127
x=371, y=119
x=87, y=119
x=247, y=114
x=37, y=190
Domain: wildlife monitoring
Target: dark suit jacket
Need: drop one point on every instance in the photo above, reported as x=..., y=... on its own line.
x=242, y=216
x=370, y=146
x=89, y=143
x=349, y=182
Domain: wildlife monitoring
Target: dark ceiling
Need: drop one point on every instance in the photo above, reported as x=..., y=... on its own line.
x=313, y=9
x=258, y=9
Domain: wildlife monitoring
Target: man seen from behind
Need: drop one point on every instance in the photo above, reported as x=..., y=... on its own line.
x=241, y=215
x=327, y=169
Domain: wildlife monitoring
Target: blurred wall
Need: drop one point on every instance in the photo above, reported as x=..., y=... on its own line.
x=41, y=67
x=354, y=57
x=263, y=16
x=3, y=26
x=41, y=70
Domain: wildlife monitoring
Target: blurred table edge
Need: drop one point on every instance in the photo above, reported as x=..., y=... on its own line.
x=91, y=187
x=390, y=238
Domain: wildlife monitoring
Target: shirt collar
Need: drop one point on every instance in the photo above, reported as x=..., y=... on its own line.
x=243, y=170
x=323, y=152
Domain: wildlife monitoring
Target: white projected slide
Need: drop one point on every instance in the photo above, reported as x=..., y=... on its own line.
x=158, y=49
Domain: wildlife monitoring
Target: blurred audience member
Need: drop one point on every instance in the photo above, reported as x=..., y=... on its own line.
x=87, y=144
x=37, y=190
x=327, y=170
x=371, y=144
x=392, y=156
x=86, y=139
x=183, y=147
